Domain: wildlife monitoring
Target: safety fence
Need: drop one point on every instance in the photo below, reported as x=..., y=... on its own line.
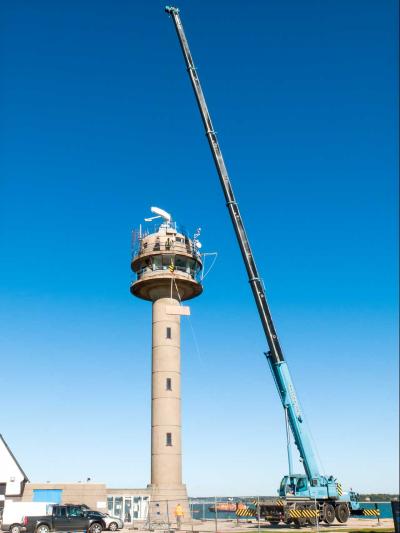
x=168, y=514
x=246, y=507
x=175, y=514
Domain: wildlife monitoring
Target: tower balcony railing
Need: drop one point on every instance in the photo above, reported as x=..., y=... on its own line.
x=193, y=273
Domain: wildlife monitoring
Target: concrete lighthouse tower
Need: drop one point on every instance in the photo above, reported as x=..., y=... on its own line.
x=166, y=263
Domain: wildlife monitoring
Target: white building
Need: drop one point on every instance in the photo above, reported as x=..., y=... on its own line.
x=12, y=477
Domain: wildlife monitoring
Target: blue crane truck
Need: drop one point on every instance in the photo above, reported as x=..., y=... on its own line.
x=303, y=498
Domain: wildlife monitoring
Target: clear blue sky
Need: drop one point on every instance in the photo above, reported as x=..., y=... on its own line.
x=99, y=123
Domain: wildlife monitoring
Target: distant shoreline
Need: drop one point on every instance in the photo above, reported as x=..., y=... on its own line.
x=378, y=497
x=365, y=498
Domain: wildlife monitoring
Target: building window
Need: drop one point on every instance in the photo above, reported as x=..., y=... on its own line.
x=110, y=505
x=168, y=439
x=118, y=506
x=168, y=384
x=169, y=333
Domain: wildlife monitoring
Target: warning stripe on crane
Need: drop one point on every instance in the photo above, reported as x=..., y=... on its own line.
x=339, y=489
x=303, y=513
x=371, y=512
x=246, y=512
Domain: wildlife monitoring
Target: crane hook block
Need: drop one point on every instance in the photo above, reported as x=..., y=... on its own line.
x=172, y=10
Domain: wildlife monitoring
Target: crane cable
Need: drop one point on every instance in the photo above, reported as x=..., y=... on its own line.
x=215, y=254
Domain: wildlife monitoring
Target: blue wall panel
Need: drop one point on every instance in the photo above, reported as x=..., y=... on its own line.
x=47, y=495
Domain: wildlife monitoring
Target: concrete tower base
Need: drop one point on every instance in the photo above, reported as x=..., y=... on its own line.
x=164, y=501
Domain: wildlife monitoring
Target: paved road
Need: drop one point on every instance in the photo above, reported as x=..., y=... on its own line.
x=229, y=526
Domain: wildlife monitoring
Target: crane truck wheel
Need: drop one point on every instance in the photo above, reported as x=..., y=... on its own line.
x=328, y=513
x=342, y=512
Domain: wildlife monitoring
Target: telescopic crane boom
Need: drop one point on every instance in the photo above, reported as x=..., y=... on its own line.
x=313, y=485
x=275, y=355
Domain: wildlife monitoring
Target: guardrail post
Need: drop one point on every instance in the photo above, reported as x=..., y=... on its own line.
x=168, y=521
x=396, y=514
x=378, y=513
x=216, y=514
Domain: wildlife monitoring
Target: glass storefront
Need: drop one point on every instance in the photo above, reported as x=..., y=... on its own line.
x=128, y=508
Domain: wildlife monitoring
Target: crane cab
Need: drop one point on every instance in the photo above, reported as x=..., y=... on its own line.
x=294, y=486
x=298, y=486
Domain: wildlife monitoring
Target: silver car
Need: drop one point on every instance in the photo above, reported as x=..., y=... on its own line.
x=112, y=523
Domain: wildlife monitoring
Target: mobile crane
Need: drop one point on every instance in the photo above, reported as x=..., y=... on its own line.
x=305, y=498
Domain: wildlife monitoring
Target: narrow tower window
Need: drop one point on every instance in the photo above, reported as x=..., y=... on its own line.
x=169, y=336
x=168, y=384
x=169, y=439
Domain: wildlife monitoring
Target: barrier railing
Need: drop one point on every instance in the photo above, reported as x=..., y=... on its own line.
x=213, y=511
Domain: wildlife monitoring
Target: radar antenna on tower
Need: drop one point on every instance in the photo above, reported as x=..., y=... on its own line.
x=160, y=213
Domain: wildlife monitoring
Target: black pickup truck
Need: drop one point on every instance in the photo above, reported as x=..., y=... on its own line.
x=65, y=518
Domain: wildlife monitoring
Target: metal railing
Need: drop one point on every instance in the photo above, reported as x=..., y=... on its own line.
x=238, y=510
x=146, y=270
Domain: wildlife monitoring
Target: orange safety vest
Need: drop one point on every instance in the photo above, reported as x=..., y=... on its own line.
x=178, y=510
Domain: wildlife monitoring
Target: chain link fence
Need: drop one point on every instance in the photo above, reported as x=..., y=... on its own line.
x=189, y=514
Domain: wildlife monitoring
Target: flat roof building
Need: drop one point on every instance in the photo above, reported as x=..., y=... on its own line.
x=129, y=504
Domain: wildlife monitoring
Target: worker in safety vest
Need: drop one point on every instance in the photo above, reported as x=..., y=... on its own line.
x=179, y=515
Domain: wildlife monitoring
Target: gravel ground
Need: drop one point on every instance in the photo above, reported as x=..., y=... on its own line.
x=209, y=526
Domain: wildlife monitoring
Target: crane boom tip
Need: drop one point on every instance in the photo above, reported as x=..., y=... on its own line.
x=171, y=10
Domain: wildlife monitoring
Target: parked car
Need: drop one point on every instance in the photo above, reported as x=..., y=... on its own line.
x=65, y=518
x=14, y=512
x=112, y=523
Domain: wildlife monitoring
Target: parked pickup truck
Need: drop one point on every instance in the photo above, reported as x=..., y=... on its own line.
x=65, y=518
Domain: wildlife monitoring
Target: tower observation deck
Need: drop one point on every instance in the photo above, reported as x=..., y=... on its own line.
x=166, y=264
x=166, y=260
